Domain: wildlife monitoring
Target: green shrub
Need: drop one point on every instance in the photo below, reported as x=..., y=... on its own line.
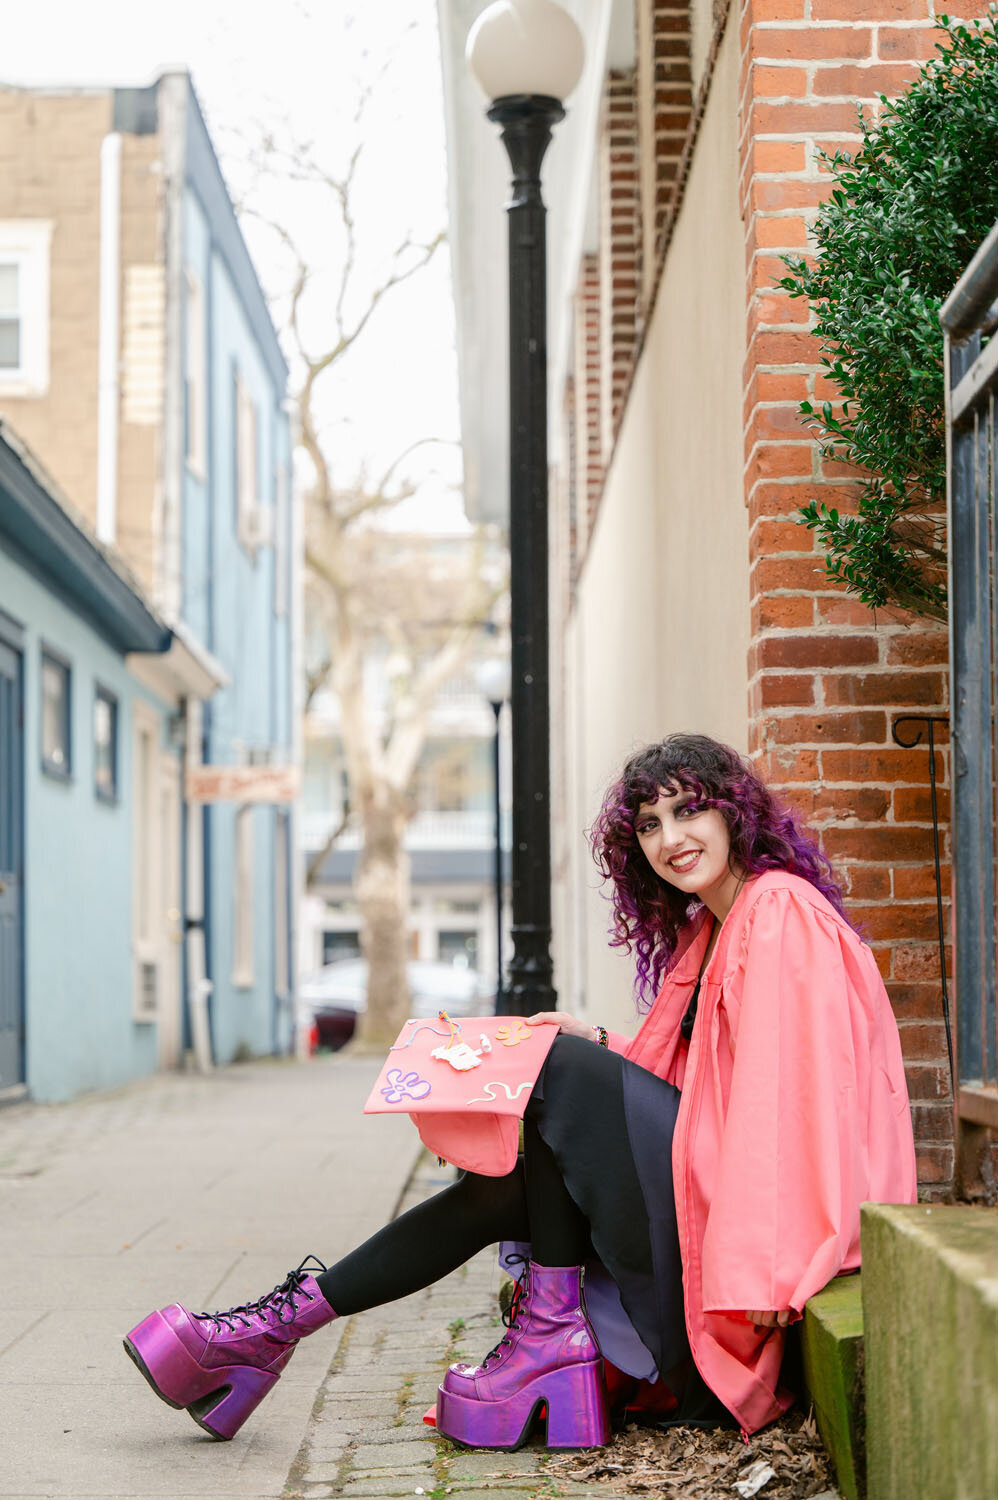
x=906, y=215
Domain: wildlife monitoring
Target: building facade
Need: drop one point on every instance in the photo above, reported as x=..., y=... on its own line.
x=687, y=595
x=139, y=361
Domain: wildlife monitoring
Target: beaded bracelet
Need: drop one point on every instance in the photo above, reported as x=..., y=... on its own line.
x=602, y=1036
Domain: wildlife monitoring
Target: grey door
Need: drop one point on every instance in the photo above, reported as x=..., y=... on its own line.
x=11, y=872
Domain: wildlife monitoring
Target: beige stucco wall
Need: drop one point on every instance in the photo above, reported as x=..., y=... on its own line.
x=659, y=635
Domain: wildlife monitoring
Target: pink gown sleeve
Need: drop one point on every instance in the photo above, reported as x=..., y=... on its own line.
x=817, y=1114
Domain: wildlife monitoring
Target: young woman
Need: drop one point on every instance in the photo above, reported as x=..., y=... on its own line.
x=703, y=1179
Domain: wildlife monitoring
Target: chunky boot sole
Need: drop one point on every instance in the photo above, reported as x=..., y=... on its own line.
x=219, y=1401
x=576, y=1412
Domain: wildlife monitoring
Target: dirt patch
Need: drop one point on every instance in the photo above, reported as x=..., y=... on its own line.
x=707, y=1465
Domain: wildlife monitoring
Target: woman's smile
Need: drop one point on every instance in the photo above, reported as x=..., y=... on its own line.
x=689, y=845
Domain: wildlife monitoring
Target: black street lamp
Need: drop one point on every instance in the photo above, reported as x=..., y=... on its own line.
x=527, y=55
x=492, y=680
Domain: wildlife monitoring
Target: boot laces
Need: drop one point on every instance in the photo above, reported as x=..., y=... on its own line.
x=279, y=1303
x=511, y=1314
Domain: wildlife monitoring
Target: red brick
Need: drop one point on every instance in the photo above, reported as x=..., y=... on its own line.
x=917, y=961
x=880, y=845
x=865, y=882
x=826, y=728
x=778, y=461
x=781, y=766
x=769, y=195
x=779, y=83
x=786, y=232
x=866, y=804
x=928, y=1083
x=770, y=537
x=788, y=611
x=817, y=650
x=851, y=82
x=796, y=574
x=801, y=118
x=783, y=348
x=888, y=764
x=914, y=881
x=919, y=1002
x=779, y=156
x=811, y=44
x=890, y=689
x=896, y=43
x=868, y=10
x=932, y=1122
x=795, y=690
x=923, y=1041
x=913, y=804
x=882, y=956
x=777, y=10
x=896, y=923
x=777, y=308
x=920, y=648
x=833, y=610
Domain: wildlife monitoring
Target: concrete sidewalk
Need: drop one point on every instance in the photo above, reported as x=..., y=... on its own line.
x=206, y=1190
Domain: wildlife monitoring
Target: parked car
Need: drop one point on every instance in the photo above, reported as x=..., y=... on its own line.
x=335, y=995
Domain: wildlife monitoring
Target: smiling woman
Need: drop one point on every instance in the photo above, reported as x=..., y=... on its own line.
x=700, y=1181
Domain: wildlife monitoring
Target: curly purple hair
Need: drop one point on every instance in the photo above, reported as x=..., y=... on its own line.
x=649, y=914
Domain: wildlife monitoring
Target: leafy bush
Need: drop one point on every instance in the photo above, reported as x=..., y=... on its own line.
x=907, y=213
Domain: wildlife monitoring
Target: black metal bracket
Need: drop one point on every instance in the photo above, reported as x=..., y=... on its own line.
x=930, y=721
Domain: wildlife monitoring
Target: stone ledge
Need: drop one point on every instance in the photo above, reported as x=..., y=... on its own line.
x=930, y=1299
x=832, y=1349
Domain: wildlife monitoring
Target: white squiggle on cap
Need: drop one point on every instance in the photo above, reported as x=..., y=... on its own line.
x=489, y=1098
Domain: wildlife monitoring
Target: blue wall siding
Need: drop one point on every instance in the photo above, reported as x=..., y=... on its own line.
x=78, y=866
x=230, y=602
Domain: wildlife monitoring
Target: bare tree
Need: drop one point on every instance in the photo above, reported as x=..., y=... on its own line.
x=369, y=588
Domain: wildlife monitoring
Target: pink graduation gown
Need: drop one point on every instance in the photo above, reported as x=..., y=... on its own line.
x=794, y=1112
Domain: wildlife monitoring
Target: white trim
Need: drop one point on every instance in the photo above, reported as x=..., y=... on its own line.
x=243, y=892
x=109, y=346
x=27, y=244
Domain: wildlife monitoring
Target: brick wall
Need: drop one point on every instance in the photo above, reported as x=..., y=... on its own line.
x=827, y=678
x=587, y=475
x=620, y=245
x=665, y=106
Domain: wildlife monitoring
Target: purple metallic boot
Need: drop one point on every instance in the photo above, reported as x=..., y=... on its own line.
x=221, y=1365
x=549, y=1358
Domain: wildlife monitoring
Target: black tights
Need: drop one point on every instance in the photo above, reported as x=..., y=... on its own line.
x=434, y=1238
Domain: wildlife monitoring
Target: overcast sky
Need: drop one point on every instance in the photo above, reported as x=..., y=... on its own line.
x=297, y=70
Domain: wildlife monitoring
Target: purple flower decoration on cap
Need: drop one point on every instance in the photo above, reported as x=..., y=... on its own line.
x=404, y=1086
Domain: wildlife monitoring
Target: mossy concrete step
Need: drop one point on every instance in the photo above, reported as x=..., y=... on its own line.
x=832, y=1349
x=930, y=1301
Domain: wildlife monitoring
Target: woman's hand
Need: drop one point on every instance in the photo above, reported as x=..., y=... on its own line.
x=769, y=1319
x=568, y=1024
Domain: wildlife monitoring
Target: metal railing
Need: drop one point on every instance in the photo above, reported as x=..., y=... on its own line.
x=970, y=320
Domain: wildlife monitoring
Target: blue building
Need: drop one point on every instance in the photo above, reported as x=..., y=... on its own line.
x=87, y=825
x=139, y=361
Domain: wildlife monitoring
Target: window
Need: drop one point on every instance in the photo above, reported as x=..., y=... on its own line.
x=243, y=915
x=282, y=898
x=105, y=745
x=195, y=379
x=337, y=945
x=147, y=866
x=282, y=521
x=24, y=306
x=247, y=463
x=56, y=746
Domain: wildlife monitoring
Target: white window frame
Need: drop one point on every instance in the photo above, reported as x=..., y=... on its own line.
x=196, y=373
x=27, y=244
x=243, y=892
x=282, y=550
x=247, y=475
x=147, y=862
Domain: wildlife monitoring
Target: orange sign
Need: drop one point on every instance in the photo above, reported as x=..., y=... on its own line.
x=243, y=783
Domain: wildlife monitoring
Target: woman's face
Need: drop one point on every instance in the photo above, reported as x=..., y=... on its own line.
x=688, y=848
